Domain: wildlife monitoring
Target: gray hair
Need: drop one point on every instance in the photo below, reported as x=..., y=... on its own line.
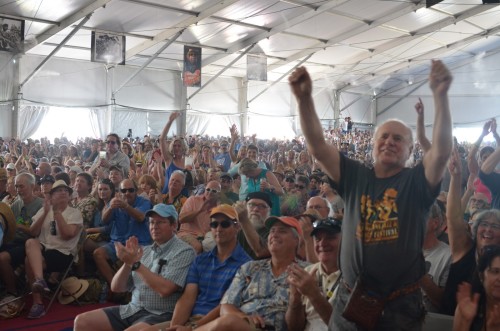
x=483, y=216
x=180, y=173
x=29, y=178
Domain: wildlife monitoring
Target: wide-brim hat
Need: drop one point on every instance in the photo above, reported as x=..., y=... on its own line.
x=60, y=183
x=9, y=221
x=71, y=289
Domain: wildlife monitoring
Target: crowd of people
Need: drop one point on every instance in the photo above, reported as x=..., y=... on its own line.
x=239, y=233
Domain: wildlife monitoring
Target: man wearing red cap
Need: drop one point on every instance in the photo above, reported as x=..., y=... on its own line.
x=258, y=296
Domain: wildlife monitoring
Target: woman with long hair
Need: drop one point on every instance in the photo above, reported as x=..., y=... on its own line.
x=174, y=154
x=304, y=165
x=481, y=311
x=205, y=159
x=98, y=235
x=11, y=191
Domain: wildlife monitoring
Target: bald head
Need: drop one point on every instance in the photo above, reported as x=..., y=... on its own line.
x=44, y=169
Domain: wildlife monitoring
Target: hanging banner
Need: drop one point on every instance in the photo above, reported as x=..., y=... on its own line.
x=192, y=66
x=11, y=35
x=107, y=48
x=257, y=67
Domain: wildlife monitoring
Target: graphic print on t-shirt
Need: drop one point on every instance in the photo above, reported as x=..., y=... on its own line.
x=379, y=218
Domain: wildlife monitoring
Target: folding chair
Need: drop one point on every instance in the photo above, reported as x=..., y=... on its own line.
x=83, y=236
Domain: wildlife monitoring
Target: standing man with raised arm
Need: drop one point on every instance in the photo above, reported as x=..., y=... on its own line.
x=383, y=220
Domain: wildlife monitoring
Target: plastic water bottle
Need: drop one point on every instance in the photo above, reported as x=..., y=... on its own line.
x=103, y=297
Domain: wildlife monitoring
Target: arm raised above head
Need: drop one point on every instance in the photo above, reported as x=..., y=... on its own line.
x=436, y=158
x=327, y=155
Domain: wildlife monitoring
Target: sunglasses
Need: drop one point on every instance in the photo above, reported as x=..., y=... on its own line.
x=224, y=224
x=300, y=187
x=112, y=142
x=211, y=190
x=290, y=180
x=125, y=190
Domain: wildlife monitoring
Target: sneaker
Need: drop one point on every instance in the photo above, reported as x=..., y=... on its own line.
x=36, y=311
x=40, y=286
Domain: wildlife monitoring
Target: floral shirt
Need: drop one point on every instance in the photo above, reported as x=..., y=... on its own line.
x=88, y=207
x=255, y=290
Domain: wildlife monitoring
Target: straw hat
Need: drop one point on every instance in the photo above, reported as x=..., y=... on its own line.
x=72, y=288
x=8, y=222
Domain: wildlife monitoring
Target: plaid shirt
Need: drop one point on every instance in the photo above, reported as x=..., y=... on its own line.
x=178, y=256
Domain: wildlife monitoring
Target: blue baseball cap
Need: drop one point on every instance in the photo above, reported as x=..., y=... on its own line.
x=164, y=211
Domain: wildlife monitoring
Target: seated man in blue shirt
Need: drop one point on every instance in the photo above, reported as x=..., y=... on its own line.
x=258, y=295
x=210, y=274
x=155, y=273
x=126, y=213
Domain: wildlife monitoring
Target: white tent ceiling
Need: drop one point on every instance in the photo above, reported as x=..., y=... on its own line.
x=350, y=45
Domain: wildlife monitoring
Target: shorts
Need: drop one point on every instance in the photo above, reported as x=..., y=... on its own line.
x=118, y=323
x=111, y=252
x=17, y=254
x=55, y=260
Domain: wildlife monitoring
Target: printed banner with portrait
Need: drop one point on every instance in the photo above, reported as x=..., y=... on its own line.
x=191, y=75
x=11, y=35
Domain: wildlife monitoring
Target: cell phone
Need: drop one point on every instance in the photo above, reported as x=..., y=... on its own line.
x=102, y=154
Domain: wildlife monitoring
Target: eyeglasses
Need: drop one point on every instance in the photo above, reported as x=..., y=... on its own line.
x=493, y=226
x=257, y=205
x=328, y=221
x=224, y=224
x=10, y=169
x=300, y=187
x=112, y=142
x=211, y=190
x=223, y=145
x=125, y=190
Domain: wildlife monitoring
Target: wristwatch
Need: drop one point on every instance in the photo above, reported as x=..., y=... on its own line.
x=136, y=265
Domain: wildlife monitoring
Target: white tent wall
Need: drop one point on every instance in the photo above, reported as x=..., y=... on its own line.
x=145, y=102
x=7, y=71
x=473, y=98
x=270, y=114
x=358, y=108
x=64, y=82
x=215, y=108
